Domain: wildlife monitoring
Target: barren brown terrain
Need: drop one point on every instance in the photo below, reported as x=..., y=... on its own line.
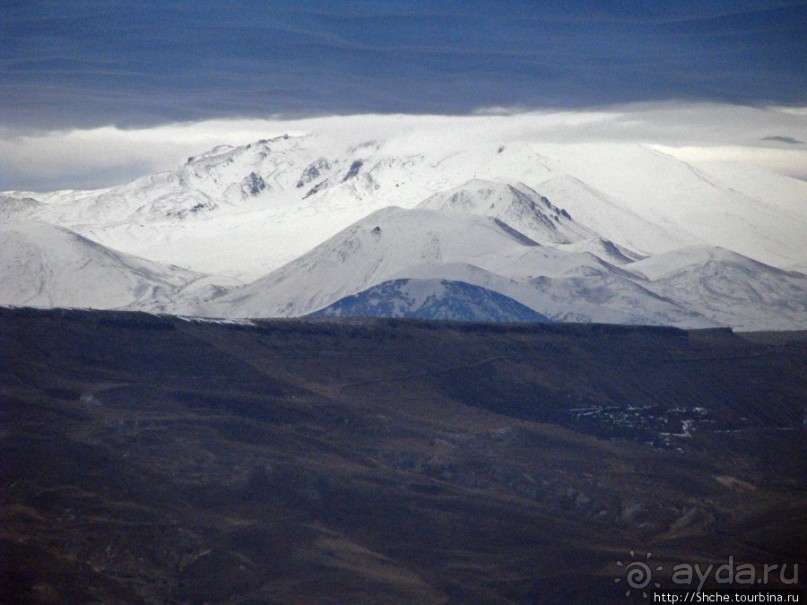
x=152, y=459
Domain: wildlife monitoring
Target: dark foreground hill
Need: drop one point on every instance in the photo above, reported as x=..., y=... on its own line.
x=157, y=460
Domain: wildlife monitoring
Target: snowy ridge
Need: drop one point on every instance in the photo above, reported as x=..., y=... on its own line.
x=367, y=253
x=46, y=266
x=395, y=243
x=731, y=288
x=296, y=191
x=609, y=232
x=514, y=204
x=608, y=299
x=18, y=208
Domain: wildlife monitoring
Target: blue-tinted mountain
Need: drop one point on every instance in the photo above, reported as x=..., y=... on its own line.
x=431, y=299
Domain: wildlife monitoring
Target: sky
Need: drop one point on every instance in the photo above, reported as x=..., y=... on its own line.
x=90, y=65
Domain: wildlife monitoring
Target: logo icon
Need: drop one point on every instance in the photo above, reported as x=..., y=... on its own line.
x=638, y=574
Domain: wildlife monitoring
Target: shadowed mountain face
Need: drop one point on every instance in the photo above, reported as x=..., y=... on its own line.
x=152, y=459
x=431, y=299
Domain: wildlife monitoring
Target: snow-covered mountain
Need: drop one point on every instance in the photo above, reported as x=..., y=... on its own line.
x=594, y=298
x=281, y=197
x=431, y=299
x=528, y=212
x=396, y=243
x=371, y=251
x=516, y=205
x=576, y=232
x=18, y=208
x=732, y=289
x=46, y=266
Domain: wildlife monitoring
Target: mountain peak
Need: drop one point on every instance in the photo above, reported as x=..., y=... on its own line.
x=431, y=299
x=46, y=265
x=515, y=204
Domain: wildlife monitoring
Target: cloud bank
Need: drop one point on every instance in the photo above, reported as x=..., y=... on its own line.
x=99, y=157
